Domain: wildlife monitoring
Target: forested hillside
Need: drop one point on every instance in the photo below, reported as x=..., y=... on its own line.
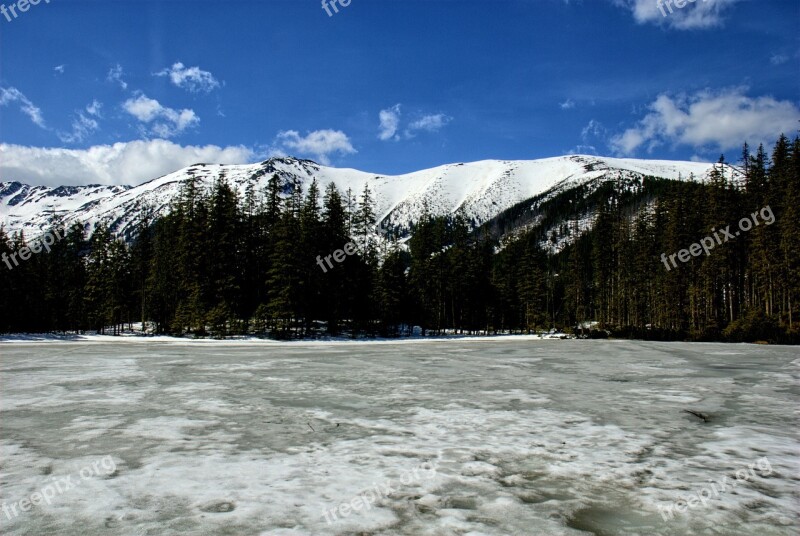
x=220, y=265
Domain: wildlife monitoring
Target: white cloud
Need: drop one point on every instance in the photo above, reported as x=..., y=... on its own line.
x=167, y=122
x=60, y=68
x=122, y=163
x=583, y=149
x=82, y=127
x=143, y=108
x=192, y=79
x=13, y=95
x=721, y=120
x=593, y=132
x=390, y=122
x=699, y=14
x=430, y=123
x=567, y=104
x=115, y=76
x=94, y=108
x=778, y=59
x=594, y=129
x=320, y=144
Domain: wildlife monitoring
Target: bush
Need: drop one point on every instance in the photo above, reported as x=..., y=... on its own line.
x=220, y=318
x=753, y=326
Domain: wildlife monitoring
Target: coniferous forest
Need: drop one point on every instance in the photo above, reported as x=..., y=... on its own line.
x=218, y=265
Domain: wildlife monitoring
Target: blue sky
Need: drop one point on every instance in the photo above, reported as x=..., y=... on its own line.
x=117, y=91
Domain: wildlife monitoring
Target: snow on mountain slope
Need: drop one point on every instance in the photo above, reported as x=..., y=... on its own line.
x=481, y=189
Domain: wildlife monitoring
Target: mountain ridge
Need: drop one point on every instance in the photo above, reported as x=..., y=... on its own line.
x=481, y=190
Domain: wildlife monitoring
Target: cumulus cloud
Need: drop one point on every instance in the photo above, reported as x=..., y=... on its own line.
x=389, y=123
x=166, y=122
x=567, y=104
x=12, y=95
x=699, y=14
x=122, y=163
x=191, y=79
x=720, y=120
x=60, y=69
x=115, y=76
x=319, y=144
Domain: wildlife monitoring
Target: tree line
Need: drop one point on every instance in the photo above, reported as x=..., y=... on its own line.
x=220, y=265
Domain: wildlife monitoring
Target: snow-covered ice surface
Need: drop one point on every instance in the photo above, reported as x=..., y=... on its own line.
x=465, y=437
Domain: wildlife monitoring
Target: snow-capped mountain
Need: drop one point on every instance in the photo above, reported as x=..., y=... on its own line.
x=481, y=189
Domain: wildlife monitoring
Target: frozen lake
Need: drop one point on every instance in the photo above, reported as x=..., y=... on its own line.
x=469, y=437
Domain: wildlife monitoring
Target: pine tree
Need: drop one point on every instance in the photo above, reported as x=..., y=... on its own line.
x=364, y=225
x=283, y=276
x=334, y=237
x=779, y=180
x=100, y=296
x=789, y=228
x=164, y=281
x=141, y=258
x=311, y=280
x=391, y=292
x=7, y=283
x=224, y=258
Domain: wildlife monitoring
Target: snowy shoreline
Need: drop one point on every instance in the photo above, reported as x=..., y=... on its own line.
x=34, y=338
x=133, y=338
